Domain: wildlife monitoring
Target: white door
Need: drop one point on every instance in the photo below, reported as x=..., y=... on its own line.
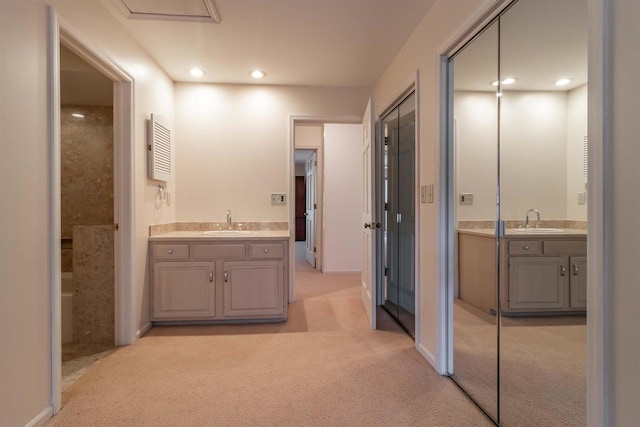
x=310, y=212
x=368, y=235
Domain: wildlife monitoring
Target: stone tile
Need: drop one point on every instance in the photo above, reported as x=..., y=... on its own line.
x=93, y=278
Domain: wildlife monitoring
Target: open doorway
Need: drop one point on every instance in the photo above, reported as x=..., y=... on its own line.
x=306, y=203
x=87, y=215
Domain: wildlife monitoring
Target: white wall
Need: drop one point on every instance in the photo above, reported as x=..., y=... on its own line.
x=25, y=268
x=25, y=326
x=622, y=187
x=533, y=154
x=476, y=130
x=233, y=148
x=576, y=131
x=342, y=250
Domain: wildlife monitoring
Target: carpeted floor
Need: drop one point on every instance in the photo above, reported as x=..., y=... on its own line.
x=324, y=367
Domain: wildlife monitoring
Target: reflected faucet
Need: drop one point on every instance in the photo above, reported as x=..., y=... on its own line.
x=229, y=219
x=526, y=220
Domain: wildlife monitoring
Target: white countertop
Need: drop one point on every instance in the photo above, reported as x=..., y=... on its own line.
x=200, y=236
x=510, y=233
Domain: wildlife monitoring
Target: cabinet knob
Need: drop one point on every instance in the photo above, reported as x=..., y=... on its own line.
x=563, y=270
x=525, y=247
x=226, y=276
x=170, y=251
x=266, y=251
x=576, y=270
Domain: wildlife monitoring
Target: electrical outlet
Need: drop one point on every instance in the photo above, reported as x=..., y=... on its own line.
x=278, y=199
x=466, y=199
x=582, y=198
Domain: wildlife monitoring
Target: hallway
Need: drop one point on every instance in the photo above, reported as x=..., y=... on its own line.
x=322, y=367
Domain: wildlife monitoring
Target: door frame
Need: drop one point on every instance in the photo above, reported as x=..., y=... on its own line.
x=319, y=120
x=412, y=84
x=123, y=174
x=599, y=289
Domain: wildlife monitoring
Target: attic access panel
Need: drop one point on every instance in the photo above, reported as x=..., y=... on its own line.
x=170, y=10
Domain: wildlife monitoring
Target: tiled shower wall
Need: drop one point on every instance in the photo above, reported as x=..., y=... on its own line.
x=87, y=218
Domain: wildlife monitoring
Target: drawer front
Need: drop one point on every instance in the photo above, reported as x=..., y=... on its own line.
x=224, y=251
x=525, y=247
x=168, y=251
x=565, y=247
x=266, y=250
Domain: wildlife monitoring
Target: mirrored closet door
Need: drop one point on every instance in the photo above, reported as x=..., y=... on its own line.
x=518, y=143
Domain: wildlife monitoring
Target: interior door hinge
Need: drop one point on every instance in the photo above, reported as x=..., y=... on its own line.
x=314, y=249
x=386, y=140
x=116, y=226
x=386, y=206
x=315, y=206
x=315, y=163
x=386, y=271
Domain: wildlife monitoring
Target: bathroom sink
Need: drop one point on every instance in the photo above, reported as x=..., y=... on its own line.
x=538, y=230
x=227, y=232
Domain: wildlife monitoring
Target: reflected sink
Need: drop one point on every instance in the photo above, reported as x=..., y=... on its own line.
x=227, y=232
x=538, y=230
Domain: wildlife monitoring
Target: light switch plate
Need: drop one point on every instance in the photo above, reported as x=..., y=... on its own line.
x=582, y=198
x=466, y=199
x=430, y=193
x=278, y=199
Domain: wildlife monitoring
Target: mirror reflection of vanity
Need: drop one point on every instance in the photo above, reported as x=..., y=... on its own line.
x=519, y=145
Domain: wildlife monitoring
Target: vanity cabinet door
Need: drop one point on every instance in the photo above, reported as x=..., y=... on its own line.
x=253, y=289
x=183, y=290
x=537, y=283
x=578, y=282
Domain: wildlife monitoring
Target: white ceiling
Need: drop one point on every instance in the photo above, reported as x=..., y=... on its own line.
x=296, y=42
x=540, y=42
x=301, y=156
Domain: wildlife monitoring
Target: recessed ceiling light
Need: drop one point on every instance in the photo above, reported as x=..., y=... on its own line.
x=257, y=74
x=563, y=82
x=196, y=72
x=507, y=81
x=78, y=115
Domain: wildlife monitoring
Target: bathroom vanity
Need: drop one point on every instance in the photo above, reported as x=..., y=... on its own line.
x=219, y=278
x=540, y=272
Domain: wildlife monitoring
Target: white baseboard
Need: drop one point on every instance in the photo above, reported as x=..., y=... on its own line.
x=428, y=355
x=340, y=271
x=41, y=418
x=143, y=330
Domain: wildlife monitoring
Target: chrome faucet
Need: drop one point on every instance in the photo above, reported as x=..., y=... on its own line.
x=229, y=219
x=526, y=221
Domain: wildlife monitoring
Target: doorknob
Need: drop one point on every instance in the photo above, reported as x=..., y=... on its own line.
x=367, y=225
x=377, y=224
x=305, y=214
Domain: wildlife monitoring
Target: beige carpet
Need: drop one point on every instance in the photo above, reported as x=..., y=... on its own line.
x=542, y=369
x=324, y=367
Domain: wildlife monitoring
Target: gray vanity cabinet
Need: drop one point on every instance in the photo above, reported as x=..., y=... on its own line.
x=578, y=282
x=213, y=281
x=537, y=283
x=253, y=288
x=545, y=275
x=184, y=290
